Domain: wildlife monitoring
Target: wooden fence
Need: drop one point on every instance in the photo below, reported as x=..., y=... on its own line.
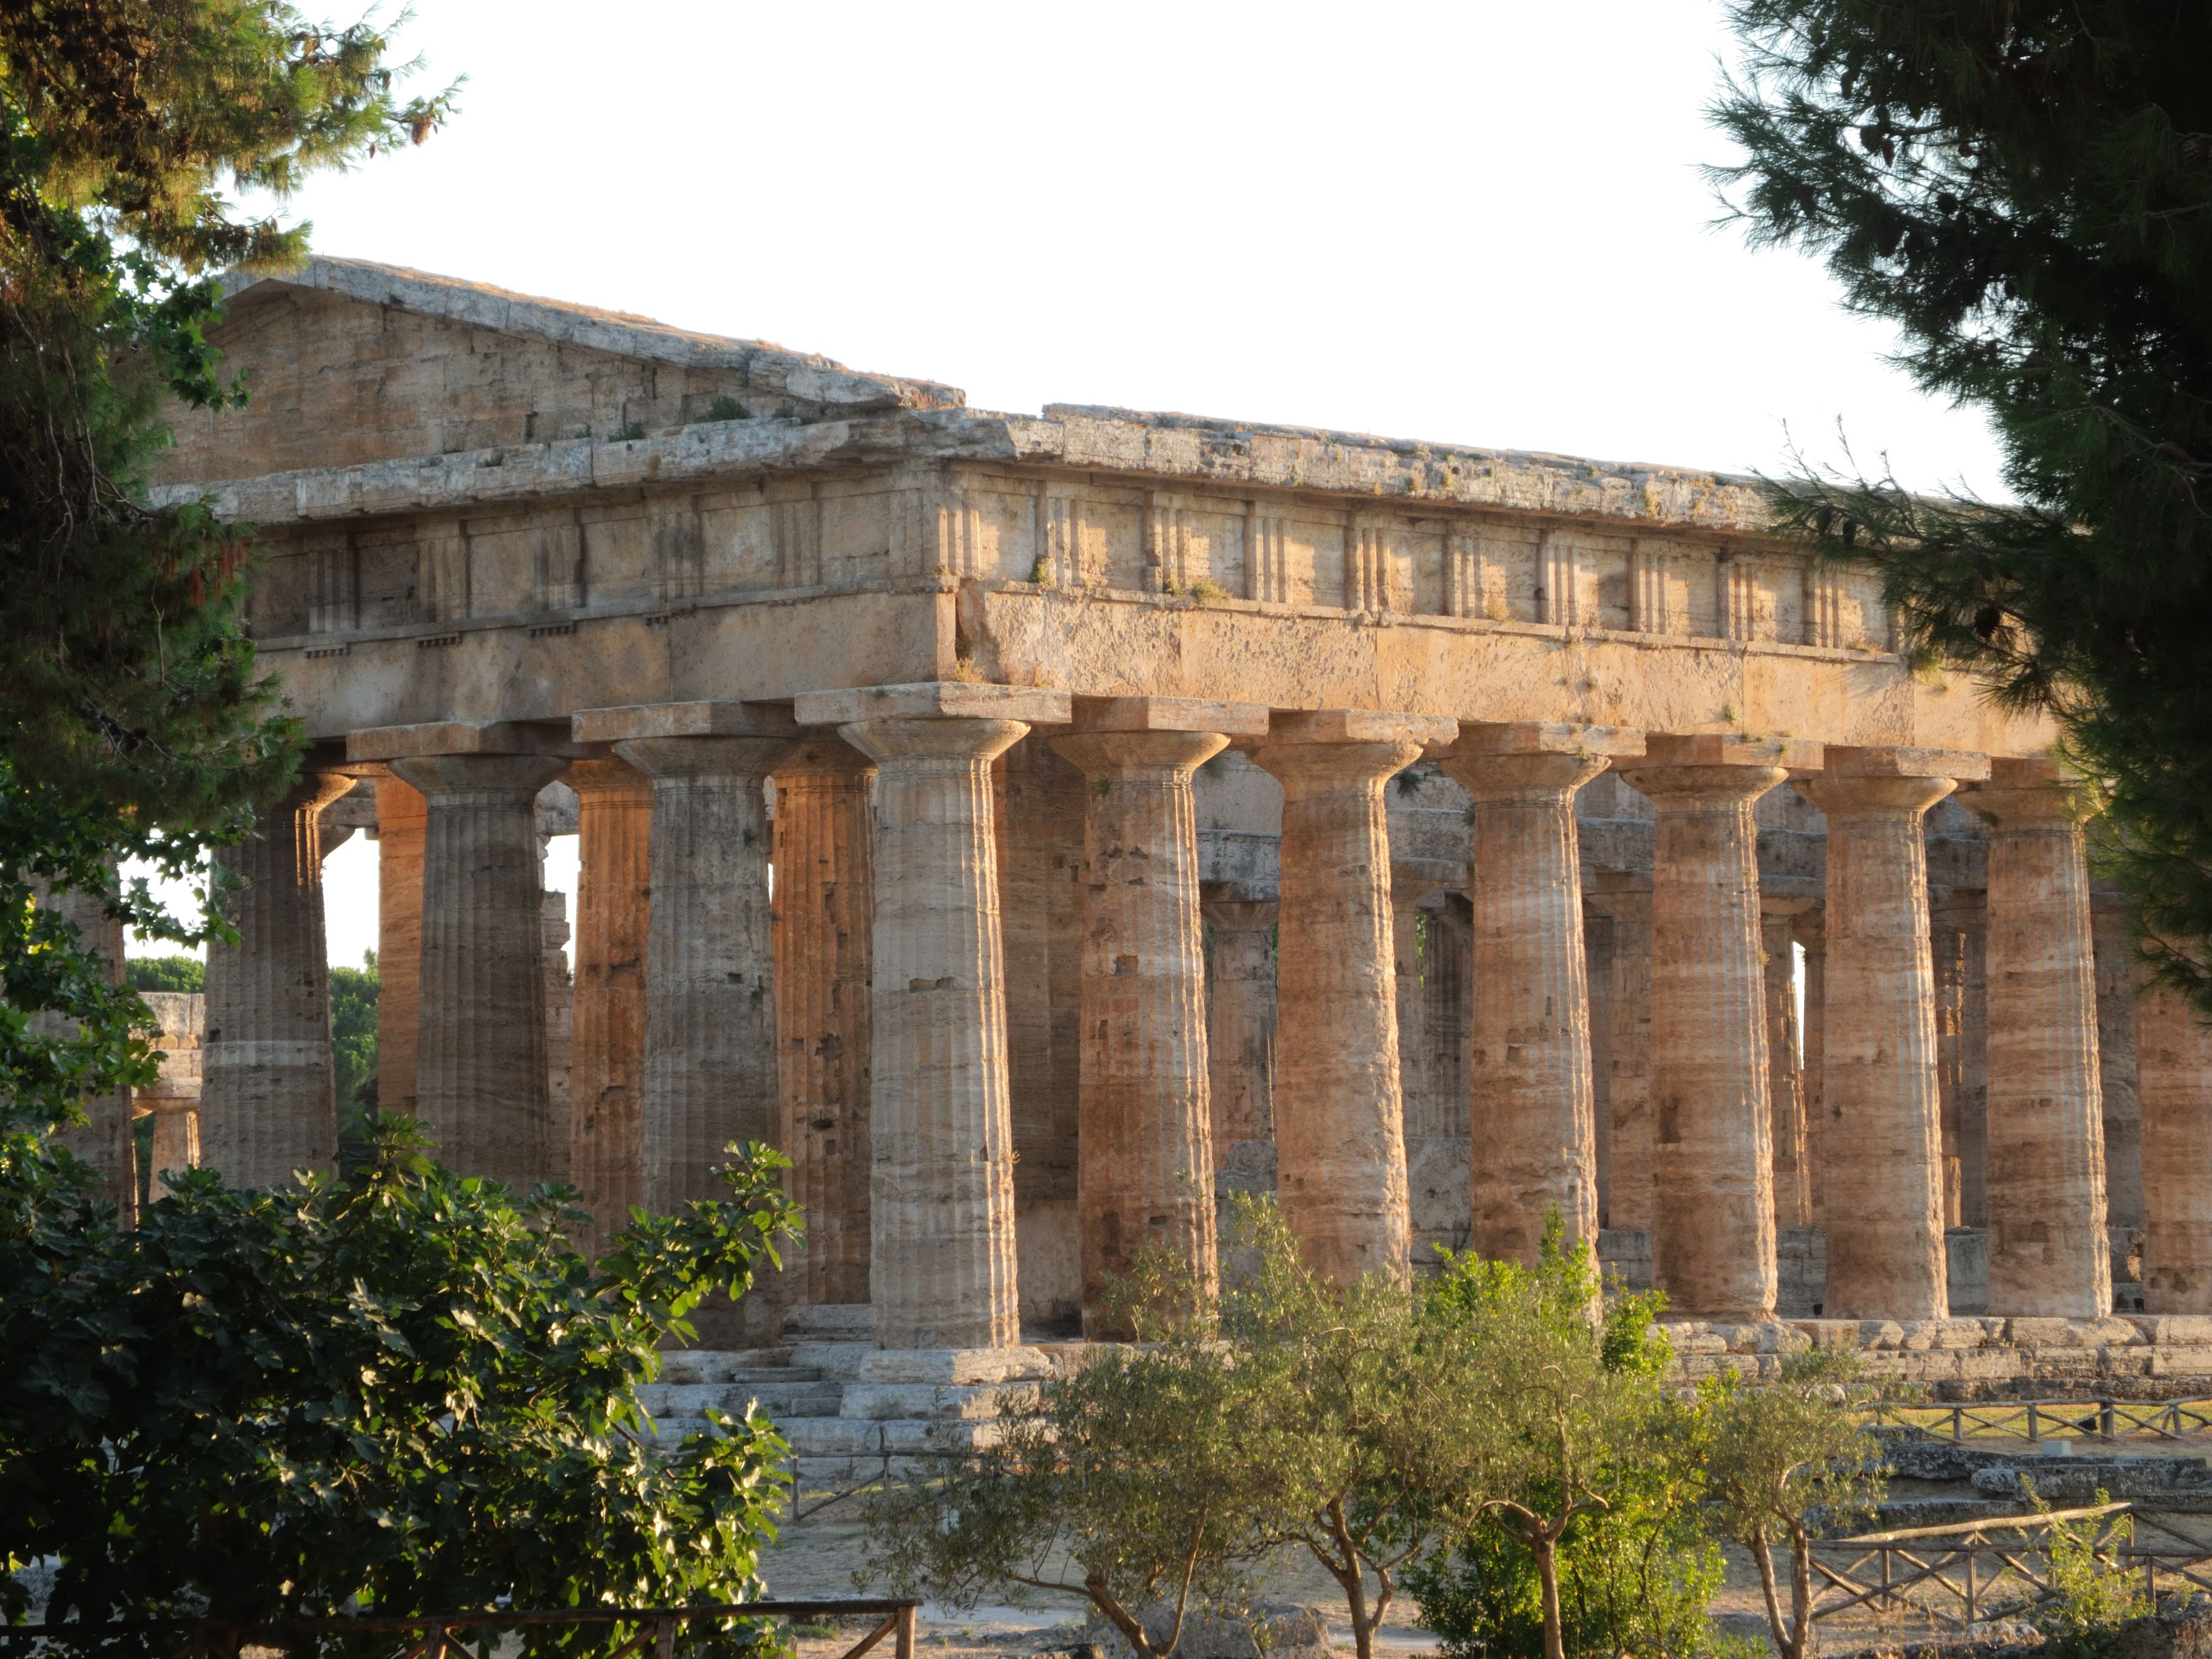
x=1954, y=1576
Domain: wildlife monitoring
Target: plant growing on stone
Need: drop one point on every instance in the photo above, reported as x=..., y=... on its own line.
x=394, y=1391
x=1783, y=1460
x=1128, y=1486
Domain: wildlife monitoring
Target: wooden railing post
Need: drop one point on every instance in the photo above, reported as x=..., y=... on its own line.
x=904, y=1647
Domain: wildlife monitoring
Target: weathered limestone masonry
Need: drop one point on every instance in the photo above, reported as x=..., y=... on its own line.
x=1026, y=969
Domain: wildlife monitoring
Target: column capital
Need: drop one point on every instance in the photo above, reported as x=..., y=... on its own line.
x=520, y=776
x=2031, y=794
x=1105, y=755
x=1311, y=749
x=820, y=756
x=705, y=758
x=1873, y=797
x=612, y=775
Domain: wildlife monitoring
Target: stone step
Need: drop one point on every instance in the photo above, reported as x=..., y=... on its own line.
x=722, y=1365
x=831, y=1322
x=784, y=1397
x=816, y=1441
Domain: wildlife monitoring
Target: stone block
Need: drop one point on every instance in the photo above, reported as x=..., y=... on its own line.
x=870, y=1400
x=1360, y=726
x=954, y=1367
x=934, y=700
x=683, y=719
x=1235, y=719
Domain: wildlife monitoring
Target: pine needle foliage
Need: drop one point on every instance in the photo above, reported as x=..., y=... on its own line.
x=133, y=722
x=2024, y=189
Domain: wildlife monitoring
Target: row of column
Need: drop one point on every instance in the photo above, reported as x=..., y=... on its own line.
x=892, y=1079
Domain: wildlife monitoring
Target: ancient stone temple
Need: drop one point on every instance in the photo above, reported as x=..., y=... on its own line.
x=1039, y=825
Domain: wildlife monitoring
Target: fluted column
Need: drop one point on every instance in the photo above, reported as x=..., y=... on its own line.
x=1147, y=1168
x=606, y=1074
x=1885, y=1152
x=1713, y=1244
x=1628, y=1162
x=1597, y=951
x=1811, y=931
x=1447, y=1022
x=480, y=1089
x=1240, y=1019
x=1409, y=886
x=2112, y=934
x=2049, y=1254
x=1785, y=1081
x=402, y=816
x=941, y=1213
x=1534, y=1140
x=2174, y=1079
x=710, y=1054
x=1339, y=1138
x=824, y=959
x=266, y=1104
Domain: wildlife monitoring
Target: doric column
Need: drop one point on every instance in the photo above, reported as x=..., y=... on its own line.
x=266, y=1105
x=1885, y=1152
x=1627, y=900
x=825, y=957
x=1811, y=933
x=2112, y=935
x=1948, y=949
x=1597, y=951
x=480, y=1088
x=941, y=1271
x=1146, y=1168
x=710, y=1054
x=1712, y=1235
x=401, y=819
x=1410, y=884
x=2049, y=1254
x=1446, y=1023
x=607, y=1065
x=1340, y=1140
x=2174, y=1046
x=1240, y=1019
x=1785, y=1080
x=1534, y=1139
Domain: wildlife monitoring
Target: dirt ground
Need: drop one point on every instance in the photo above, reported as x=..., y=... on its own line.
x=819, y=1556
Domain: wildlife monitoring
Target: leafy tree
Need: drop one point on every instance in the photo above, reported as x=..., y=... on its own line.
x=171, y=973
x=132, y=723
x=1361, y=1401
x=1129, y=1485
x=398, y=1386
x=2024, y=188
x=353, y=1036
x=1783, y=1458
x=1578, y=1456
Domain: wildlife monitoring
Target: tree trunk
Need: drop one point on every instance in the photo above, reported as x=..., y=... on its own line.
x=1763, y=1559
x=1548, y=1574
x=1801, y=1593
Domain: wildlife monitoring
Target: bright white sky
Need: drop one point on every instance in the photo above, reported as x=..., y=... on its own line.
x=1480, y=222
